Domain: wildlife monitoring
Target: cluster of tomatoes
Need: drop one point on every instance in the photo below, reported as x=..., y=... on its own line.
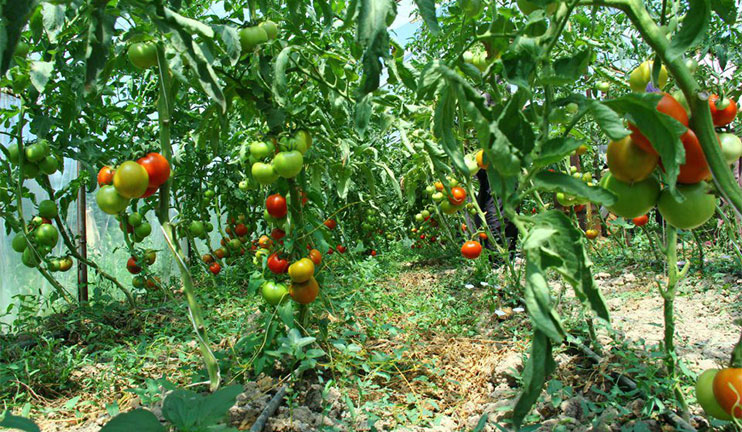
x=131, y=180
x=38, y=160
x=632, y=162
x=267, y=164
x=251, y=37
x=427, y=231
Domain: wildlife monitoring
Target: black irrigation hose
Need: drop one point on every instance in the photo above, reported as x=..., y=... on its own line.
x=269, y=409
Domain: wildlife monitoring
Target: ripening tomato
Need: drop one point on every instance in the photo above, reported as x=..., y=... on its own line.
x=727, y=387
x=132, y=266
x=157, y=167
x=458, y=195
x=341, y=248
x=640, y=220
x=110, y=201
x=265, y=242
x=480, y=160
x=304, y=292
x=131, y=180
x=723, y=111
x=276, y=206
x=220, y=253
x=315, y=256
x=302, y=270
x=105, y=176
x=439, y=186
x=471, y=249
x=667, y=105
x=483, y=236
x=695, y=168
x=330, y=223
x=463, y=227
x=591, y=234
x=628, y=162
x=215, y=268
x=207, y=259
x=276, y=264
x=705, y=395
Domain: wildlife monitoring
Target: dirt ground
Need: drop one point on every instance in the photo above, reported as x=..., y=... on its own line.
x=476, y=376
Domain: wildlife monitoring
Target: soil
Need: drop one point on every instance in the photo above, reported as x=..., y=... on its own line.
x=474, y=376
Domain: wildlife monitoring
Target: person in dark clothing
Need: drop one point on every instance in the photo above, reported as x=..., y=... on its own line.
x=487, y=203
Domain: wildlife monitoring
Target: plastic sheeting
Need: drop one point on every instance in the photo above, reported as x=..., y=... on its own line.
x=105, y=246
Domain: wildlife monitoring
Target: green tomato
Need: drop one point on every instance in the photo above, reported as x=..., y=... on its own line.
x=49, y=165
x=48, y=209
x=261, y=150
x=425, y=214
x=288, y=164
x=209, y=227
x=250, y=37
x=37, y=152
x=731, y=147
x=697, y=208
x=197, y=228
x=471, y=164
x=437, y=197
x=30, y=170
x=244, y=186
x=705, y=395
x=14, y=153
x=264, y=173
x=142, y=54
x=471, y=8
x=19, y=243
x=21, y=49
x=271, y=29
x=274, y=293
x=430, y=190
x=419, y=217
x=135, y=219
x=302, y=141
x=633, y=200
x=691, y=64
x=603, y=86
x=110, y=201
x=143, y=230
x=448, y=208
x=29, y=259
x=46, y=235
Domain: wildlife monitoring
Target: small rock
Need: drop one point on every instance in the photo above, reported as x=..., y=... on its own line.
x=602, y=275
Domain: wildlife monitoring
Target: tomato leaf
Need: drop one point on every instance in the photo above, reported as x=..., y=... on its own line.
x=139, y=419
x=100, y=32
x=726, y=9
x=519, y=62
x=443, y=127
x=569, y=69
x=15, y=15
x=539, y=366
x=694, y=28
x=560, y=182
x=555, y=150
x=374, y=38
x=41, y=71
x=427, y=12
x=53, y=19
x=608, y=120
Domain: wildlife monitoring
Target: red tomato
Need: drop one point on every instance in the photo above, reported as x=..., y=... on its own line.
x=277, y=234
x=265, y=242
x=316, y=256
x=157, y=167
x=240, y=230
x=727, y=390
x=215, y=268
x=330, y=223
x=149, y=192
x=132, y=266
x=458, y=195
x=667, y=105
x=373, y=253
x=276, y=206
x=641, y=220
x=722, y=117
x=471, y=249
x=277, y=265
x=463, y=227
x=105, y=176
x=330, y=251
x=341, y=248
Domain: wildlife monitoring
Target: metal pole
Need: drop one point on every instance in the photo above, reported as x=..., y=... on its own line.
x=82, y=228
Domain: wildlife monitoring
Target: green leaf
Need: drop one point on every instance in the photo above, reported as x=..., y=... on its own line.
x=443, y=127
x=608, y=120
x=427, y=12
x=374, y=38
x=660, y=129
x=53, y=19
x=392, y=178
x=100, y=32
x=41, y=71
x=216, y=406
x=15, y=15
x=139, y=419
x=519, y=62
x=362, y=115
x=190, y=25
x=726, y=9
x=555, y=150
x=231, y=38
x=14, y=422
x=569, y=69
x=694, y=28
x=539, y=366
x=279, y=75
x=560, y=182
x=180, y=408
x=538, y=299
